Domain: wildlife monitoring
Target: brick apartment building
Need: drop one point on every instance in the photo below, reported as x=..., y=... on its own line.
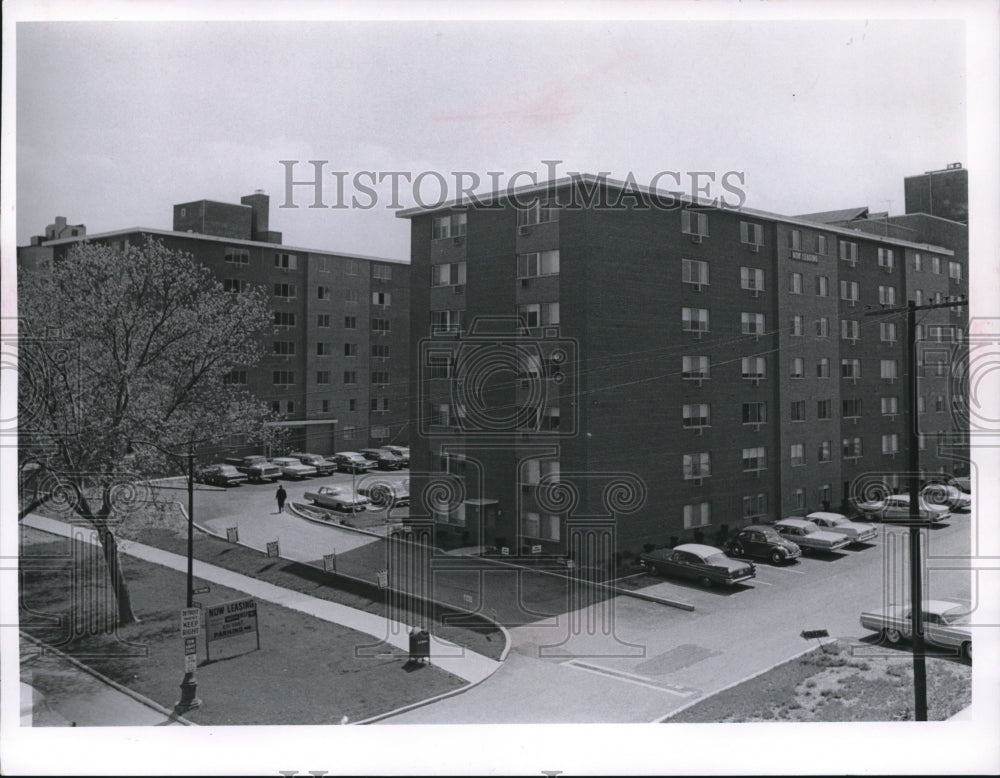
x=588, y=380
x=336, y=363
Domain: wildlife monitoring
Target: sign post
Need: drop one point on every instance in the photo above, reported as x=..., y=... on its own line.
x=233, y=534
x=272, y=549
x=190, y=627
x=330, y=562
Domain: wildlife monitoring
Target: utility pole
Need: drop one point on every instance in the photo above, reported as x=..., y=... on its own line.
x=915, y=522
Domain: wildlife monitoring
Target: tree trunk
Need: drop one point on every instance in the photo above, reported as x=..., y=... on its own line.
x=109, y=545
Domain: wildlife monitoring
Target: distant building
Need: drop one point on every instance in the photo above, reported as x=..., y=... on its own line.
x=943, y=193
x=336, y=367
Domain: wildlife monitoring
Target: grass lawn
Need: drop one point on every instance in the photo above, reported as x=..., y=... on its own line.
x=307, y=671
x=833, y=685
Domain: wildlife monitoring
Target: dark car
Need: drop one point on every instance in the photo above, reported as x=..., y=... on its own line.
x=219, y=475
x=762, y=542
x=352, y=462
x=323, y=465
x=403, y=452
x=705, y=564
x=384, y=460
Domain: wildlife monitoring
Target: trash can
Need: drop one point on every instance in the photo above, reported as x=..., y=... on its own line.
x=420, y=646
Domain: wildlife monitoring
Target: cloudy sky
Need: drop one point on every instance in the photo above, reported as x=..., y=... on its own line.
x=117, y=121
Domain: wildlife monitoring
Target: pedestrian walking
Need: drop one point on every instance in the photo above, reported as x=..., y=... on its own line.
x=281, y=496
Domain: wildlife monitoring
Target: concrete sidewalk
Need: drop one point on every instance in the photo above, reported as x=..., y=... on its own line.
x=457, y=660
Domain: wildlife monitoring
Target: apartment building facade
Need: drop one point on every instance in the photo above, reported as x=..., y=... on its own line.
x=589, y=376
x=335, y=366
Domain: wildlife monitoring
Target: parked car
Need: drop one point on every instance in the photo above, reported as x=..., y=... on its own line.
x=403, y=452
x=809, y=537
x=293, y=468
x=897, y=506
x=384, y=460
x=352, y=462
x=219, y=475
x=323, y=465
x=338, y=498
x=387, y=493
x=705, y=564
x=964, y=483
x=257, y=468
x=946, y=496
x=857, y=531
x=764, y=542
x=945, y=624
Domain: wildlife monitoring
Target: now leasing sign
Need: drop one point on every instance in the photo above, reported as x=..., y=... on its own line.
x=229, y=619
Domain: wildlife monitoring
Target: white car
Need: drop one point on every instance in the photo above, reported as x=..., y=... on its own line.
x=857, y=531
x=338, y=498
x=964, y=483
x=809, y=537
x=946, y=496
x=945, y=624
x=292, y=468
x=897, y=506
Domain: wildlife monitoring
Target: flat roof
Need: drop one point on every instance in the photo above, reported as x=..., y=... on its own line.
x=218, y=239
x=590, y=178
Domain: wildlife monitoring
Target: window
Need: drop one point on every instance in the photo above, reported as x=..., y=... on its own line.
x=285, y=261
x=381, y=326
x=694, y=223
x=694, y=271
x=887, y=295
x=752, y=323
x=283, y=348
x=451, y=274
x=541, y=526
x=235, y=256
x=754, y=506
x=800, y=499
x=350, y=322
x=752, y=278
x=379, y=350
x=236, y=285
x=822, y=327
x=798, y=410
x=694, y=319
x=450, y=225
x=851, y=448
x=918, y=297
x=285, y=291
x=796, y=327
x=885, y=259
x=696, y=415
x=889, y=368
x=697, y=466
x=849, y=251
x=550, y=420
x=283, y=378
x=441, y=415
x=530, y=314
x=323, y=349
x=446, y=321
x=539, y=263
x=890, y=406
x=381, y=298
x=824, y=409
x=955, y=271
x=385, y=403
x=352, y=405
x=322, y=376
x=887, y=331
x=921, y=404
x=350, y=432
x=283, y=319
x=535, y=470
x=823, y=368
x=380, y=377
x=849, y=291
x=235, y=378
x=755, y=458
x=350, y=295
x=694, y=367
x=324, y=406
x=796, y=453
x=351, y=267
x=821, y=244
x=752, y=234
x=350, y=349
x=936, y=265
x=795, y=283
x=797, y=368
x=439, y=366
x=795, y=240
x=754, y=413
x=350, y=376
x=890, y=444
x=918, y=262
x=823, y=452
x=697, y=514
x=822, y=286
x=850, y=368
x=851, y=408
x=849, y=329
x=384, y=272
x=939, y=403
x=753, y=367
x=323, y=320
x=290, y=406
x=536, y=213
x=381, y=432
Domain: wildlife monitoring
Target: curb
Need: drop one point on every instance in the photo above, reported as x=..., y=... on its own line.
x=46, y=648
x=299, y=514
